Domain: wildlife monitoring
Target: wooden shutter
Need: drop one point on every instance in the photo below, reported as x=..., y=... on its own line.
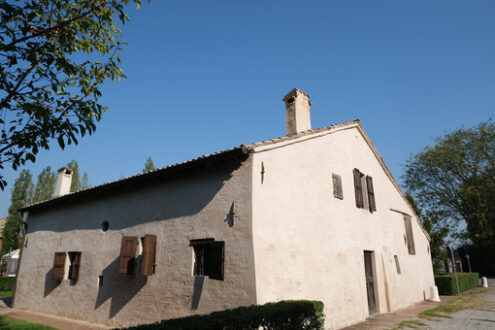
x=127, y=254
x=148, y=262
x=75, y=265
x=215, y=260
x=337, y=186
x=358, y=190
x=59, y=266
x=371, y=193
x=409, y=233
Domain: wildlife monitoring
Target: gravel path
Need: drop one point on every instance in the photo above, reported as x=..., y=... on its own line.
x=478, y=318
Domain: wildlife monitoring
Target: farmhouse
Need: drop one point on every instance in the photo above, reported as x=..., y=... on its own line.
x=312, y=215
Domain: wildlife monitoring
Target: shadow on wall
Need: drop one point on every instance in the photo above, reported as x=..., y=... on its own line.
x=50, y=283
x=120, y=288
x=198, y=290
x=165, y=199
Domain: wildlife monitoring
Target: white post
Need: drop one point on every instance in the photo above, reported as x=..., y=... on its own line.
x=484, y=282
x=434, y=294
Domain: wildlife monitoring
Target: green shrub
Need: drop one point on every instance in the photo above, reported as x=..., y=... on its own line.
x=7, y=283
x=287, y=314
x=447, y=286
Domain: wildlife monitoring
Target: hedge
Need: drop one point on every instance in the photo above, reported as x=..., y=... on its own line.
x=447, y=286
x=7, y=283
x=287, y=314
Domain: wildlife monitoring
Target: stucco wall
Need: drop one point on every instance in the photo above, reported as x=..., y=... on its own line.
x=193, y=206
x=310, y=245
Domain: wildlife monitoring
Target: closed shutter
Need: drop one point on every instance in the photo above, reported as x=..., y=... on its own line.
x=127, y=254
x=148, y=262
x=215, y=260
x=75, y=265
x=358, y=190
x=337, y=186
x=59, y=266
x=371, y=193
x=409, y=233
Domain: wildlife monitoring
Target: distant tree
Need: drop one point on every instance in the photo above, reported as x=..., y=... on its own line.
x=21, y=195
x=76, y=183
x=438, y=233
x=148, y=166
x=456, y=178
x=54, y=57
x=45, y=185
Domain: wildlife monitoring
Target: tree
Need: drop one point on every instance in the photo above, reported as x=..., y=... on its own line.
x=437, y=230
x=148, y=166
x=44, y=186
x=456, y=177
x=21, y=194
x=76, y=183
x=50, y=79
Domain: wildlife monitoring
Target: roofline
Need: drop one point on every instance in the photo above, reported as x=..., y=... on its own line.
x=157, y=173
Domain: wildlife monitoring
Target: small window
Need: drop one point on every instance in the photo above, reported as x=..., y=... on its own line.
x=397, y=265
x=148, y=261
x=409, y=234
x=363, y=188
x=209, y=258
x=128, y=254
x=337, y=186
x=74, y=265
x=59, y=266
x=104, y=226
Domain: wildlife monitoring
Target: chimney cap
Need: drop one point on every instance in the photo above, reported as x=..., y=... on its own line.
x=293, y=93
x=65, y=169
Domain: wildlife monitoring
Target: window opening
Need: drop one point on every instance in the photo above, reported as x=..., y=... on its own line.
x=209, y=258
x=104, y=226
x=74, y=265
x=409, y=234
x=337, y=186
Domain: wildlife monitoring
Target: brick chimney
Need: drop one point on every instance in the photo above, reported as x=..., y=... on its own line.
x=64, y=180
x=297, y=110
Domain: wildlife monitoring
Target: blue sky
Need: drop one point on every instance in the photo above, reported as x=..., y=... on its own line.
x=203, y=76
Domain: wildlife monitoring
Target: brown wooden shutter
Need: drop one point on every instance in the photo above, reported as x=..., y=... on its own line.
x=59, y=266
x=358, y=190
x=75, y=265
x=337, y=186
x=215, y=260
x=148, y=262
x=128, y=254
x=371, y=193
x=409, y=233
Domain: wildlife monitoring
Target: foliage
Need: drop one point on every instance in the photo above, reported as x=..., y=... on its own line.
x=447, y=285
x=10, y=323
x=76, y=183
x=480, y=257
x=437, y=230
x=44, y=186
x=289, y=314
x=6, y=294
x=54, y=57
x=21, y=194
x=7, y=283
x=148, y=166
x=456, y=178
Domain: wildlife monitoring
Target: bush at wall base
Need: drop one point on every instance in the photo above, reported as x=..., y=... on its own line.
x=287, y=314
x=447, y=286
x=7, y=283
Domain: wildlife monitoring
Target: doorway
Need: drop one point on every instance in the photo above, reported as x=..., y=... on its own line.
x=370, y=281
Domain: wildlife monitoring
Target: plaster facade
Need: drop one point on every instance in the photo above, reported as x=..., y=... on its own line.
x=289, y=238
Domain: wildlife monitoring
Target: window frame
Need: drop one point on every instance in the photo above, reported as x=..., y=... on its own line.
x=208, y=258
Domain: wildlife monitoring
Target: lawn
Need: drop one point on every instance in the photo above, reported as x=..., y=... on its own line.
x=9, y=323
x=5, y=294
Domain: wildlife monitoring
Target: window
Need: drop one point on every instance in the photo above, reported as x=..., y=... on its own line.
x=363, y=188
x=128, y=254
x=337, y=186
x=409, y=234
x=59, y=266
x=208, y=258
x=74, y=265
x=149, y=249
x=397, y=265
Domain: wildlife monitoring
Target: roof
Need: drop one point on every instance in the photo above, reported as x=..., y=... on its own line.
x=242, y=150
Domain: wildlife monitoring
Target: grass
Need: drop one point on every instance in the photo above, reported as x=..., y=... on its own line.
x=409, y=324
x=5, y=294
x=9, y=323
